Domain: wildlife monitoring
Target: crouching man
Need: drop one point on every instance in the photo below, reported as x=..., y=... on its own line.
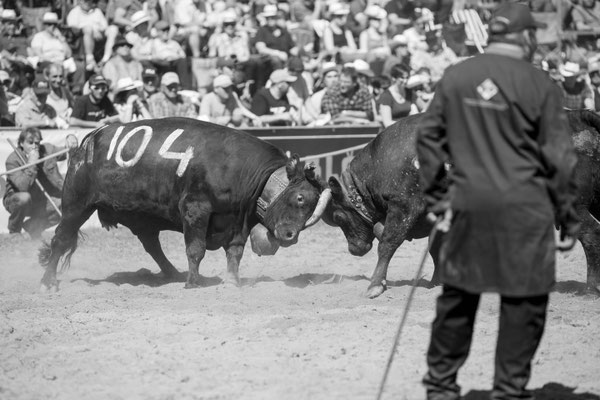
x=23, y=197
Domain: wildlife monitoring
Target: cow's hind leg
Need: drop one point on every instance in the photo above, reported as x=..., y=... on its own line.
x=63, y=241
x=590, y=241
x=195, y=215
x=151, y=242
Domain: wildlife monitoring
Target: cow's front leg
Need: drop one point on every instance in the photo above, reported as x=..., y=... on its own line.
x=234, y=254
x=393, y=235
x=195, y=225
x=590, y=241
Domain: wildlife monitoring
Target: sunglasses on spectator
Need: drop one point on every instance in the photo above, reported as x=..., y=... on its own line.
x=5, y=83
x=228, y=24
x=100, y=87
x=172, y=87
x=150, y=81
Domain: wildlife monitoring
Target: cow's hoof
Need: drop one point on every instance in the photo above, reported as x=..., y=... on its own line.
x=168, y=275
x=375, y=291
x=231, y=281
x=191, y=285
x=593, y=289
x=48, y=288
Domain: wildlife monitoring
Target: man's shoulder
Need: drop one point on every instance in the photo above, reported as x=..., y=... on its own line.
x=157, y=97
x=82, y=100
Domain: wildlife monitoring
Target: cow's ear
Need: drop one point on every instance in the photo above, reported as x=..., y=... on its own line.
x=336, y=188
x=309, y=172
x=292, y=166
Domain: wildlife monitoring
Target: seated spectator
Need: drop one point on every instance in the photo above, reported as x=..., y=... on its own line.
x=299, y=90
x=6, y=117
x=273, y=40
x=364, y=74
x=393, y=102
x=33, y=111
x=167, y=102
x=188, y=19
x=123, y=11
x=271, y=104
x=400, y=54
x=127, y=101
x=311, y=111
x=139, y=36
x=576, y=93
x=400, y=14
x=121, y=64
x=86, y=20
x=168, y=55
x=49, y=45
x=151, y=83
x=221, y=106
x=23, y=197
x=337, y=38
x=586, y=15
x=60, y=97
x=373, y=40
x=95, y=109
x=349, y=102
x=13, y=41
x=231, y=43
x=436, y=58
x=419, y=89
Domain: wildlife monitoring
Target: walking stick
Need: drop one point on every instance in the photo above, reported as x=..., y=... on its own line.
x=48, y=157
x=36, y=180
x=413, y=288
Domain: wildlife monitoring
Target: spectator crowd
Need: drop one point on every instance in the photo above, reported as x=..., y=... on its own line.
x=261, y=62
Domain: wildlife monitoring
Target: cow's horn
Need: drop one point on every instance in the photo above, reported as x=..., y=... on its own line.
x=320, y=208
x=378, y=230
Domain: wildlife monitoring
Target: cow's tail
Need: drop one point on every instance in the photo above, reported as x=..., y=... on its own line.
x=49, y=252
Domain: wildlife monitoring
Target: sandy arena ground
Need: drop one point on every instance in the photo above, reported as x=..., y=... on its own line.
x=298, y=328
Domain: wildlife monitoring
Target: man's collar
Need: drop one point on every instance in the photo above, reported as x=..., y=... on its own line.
x=506, y=49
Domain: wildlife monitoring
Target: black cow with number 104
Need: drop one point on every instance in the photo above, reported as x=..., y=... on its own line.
x=212, y=183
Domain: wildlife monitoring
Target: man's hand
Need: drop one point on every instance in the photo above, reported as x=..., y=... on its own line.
x=33, y=155
x=71, y=142
x=443, y=221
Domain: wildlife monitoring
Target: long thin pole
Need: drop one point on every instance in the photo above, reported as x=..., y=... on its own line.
x=48, y=157
x=36, y=180
x=406, y=308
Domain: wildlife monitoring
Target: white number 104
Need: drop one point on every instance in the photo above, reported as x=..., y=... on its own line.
x=164, y=152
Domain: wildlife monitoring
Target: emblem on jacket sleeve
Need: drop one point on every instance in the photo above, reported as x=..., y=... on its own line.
x=487, y=89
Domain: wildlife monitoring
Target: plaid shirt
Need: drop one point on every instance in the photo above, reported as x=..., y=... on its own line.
x=335, y=102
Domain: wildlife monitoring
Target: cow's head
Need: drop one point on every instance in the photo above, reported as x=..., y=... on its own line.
x=289, y=213
x=342, y=213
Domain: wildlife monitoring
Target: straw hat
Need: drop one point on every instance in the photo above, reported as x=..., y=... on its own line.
x=126, y=84
x=569, y=69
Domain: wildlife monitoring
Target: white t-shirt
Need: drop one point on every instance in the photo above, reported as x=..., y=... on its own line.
x=77, y=18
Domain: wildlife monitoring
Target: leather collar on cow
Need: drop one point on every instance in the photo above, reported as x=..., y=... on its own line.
x=351, y=192
x=276, y=184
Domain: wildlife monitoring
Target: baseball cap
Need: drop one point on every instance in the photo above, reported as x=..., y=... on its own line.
x=222, y=81
x=513, y=17
x=328, y=67
x=41, y=87
x=281, y=75
x=295, y=64
x=50, y=18
x=4, y=75
x=270, y=10
x=362, y=67
x=169, y=78
x=98, y=80
x=338, y=9
x=149, y=73
x=121, y=41
x=8, y=15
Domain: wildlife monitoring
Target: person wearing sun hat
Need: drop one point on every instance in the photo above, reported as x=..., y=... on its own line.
x=49, y=45
x=122, y=64
x=336, y=35
x=373, y=41
x=127, y=100
x=329, y=78
x=500, y=123
x=577, y=93
x=33, y=111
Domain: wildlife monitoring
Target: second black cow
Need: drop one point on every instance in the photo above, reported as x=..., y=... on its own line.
x=379, y=194
x=210, y=182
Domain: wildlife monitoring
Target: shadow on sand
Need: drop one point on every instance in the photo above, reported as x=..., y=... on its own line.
x=550, y=391
x=146, y=277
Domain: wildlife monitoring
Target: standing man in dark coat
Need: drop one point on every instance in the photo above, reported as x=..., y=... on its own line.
x=500, y=123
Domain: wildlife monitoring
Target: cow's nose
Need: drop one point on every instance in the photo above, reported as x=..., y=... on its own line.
x=289, y=235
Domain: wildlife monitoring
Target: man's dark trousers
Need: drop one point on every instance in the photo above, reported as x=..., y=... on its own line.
x=520, y=330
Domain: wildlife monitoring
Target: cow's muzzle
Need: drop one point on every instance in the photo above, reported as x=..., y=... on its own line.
x=320, y=208
x=286, y=235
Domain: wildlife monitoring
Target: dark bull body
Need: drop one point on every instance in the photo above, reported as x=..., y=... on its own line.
x=182, y=175
x=381, y=184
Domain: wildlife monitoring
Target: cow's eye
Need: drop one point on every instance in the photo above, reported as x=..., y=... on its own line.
x=300, y=199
